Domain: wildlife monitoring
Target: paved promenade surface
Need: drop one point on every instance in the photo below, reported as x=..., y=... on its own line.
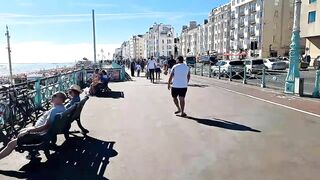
x=233, y=132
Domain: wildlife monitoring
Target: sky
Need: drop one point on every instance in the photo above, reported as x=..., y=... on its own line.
x=56, y=31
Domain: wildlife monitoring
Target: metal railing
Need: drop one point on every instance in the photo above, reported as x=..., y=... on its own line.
x=260, y=77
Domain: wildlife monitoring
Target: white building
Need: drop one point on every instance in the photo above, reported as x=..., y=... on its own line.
x=189, y=39
x=125, y=50
x=203, y=39
x=137, y=47
x=160, y=40
x=261, y=28
x=220, y=29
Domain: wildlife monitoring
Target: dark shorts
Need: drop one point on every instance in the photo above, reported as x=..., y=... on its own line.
x=158, y=70
x=181, y=92
x=30, y=139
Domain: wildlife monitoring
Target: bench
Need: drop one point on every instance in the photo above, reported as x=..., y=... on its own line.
x=76, y=117
x=50, y=138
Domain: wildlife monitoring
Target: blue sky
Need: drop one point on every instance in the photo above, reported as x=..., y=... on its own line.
x=62, y=30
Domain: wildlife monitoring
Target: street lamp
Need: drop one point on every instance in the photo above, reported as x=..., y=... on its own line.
x=294, y=55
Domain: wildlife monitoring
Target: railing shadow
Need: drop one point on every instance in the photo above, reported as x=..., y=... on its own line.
x=223, y=124
x=77, y=158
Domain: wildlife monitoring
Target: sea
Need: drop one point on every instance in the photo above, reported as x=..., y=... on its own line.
x=18, y=68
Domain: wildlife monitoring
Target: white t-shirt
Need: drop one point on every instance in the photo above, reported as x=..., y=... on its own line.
x=151, y=64
x=138, y=67
x=180, y=75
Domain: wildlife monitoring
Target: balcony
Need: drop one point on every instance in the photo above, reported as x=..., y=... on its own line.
x=252, y=32
x=252, y=20
x=241, y=35
x=253, y=8
x=241, y=23
x=241, y=12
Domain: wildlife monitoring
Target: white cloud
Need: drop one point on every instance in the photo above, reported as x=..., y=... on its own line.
x=7, y=18
x=42, y=51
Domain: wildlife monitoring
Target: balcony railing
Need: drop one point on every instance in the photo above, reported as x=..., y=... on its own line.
x=242, y=12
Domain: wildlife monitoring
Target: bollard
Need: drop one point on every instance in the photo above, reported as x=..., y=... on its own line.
x=316, y=85
x=195, y=69
x=37, y=97
x=244, y=75
x=219, y=73
x=210, y=71
x=230, y=74
x=201, y=69
x=263, y=80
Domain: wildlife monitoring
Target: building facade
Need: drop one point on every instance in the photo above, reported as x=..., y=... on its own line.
x=189, y=39
x=261, y=28
x=220, y=31
x=159, y=41
x=310, y=27
x=125, y=50
x=137, y=47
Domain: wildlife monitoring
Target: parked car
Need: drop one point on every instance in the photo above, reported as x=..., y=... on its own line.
x=191, y=60
x=236, y=67
x=274, y=64
x=208, y=60
x=254, y=65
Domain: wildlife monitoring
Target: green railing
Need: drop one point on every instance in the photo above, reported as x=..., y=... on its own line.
x=262, y=77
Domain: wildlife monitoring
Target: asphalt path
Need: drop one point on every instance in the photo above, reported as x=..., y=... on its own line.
x=226, y=136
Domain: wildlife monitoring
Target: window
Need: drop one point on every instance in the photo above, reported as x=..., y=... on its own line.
x=312, y=1
x=312, y=17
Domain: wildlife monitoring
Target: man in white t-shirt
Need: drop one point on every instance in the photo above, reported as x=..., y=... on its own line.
x=151, y=68
x=180, y=76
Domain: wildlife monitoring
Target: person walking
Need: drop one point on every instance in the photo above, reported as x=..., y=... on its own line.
x=158, y=70
x=138, y=68
x=151, y=68
x=179, y=76
x=132, y=68
x=171, y=63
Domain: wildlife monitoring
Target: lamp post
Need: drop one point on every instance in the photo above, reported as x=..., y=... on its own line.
x=294, y=54
x=9, y=54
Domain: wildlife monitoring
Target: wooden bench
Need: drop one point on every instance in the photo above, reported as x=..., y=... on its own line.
x=76, y=117
x=50, y=138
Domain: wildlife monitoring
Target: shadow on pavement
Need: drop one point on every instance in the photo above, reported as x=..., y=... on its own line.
x=113, y=94
x=4, y=140
x=77, y=158
x=223, y=124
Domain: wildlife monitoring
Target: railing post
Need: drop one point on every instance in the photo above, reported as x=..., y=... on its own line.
x=37, y=97
x=230, y=74
x=316, y=85
x=244, y=75
x=201, y=69
x=60, y=83
x=219, y=73
x=263, y=82
x=74, y=78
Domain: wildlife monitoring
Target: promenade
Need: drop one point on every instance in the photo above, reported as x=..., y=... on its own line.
x=233, y=132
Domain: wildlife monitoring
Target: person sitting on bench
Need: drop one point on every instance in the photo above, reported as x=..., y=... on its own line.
x=74, y=94
x=35, y=134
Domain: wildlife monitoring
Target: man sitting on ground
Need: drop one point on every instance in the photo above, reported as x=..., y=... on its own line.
x=35, y=134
